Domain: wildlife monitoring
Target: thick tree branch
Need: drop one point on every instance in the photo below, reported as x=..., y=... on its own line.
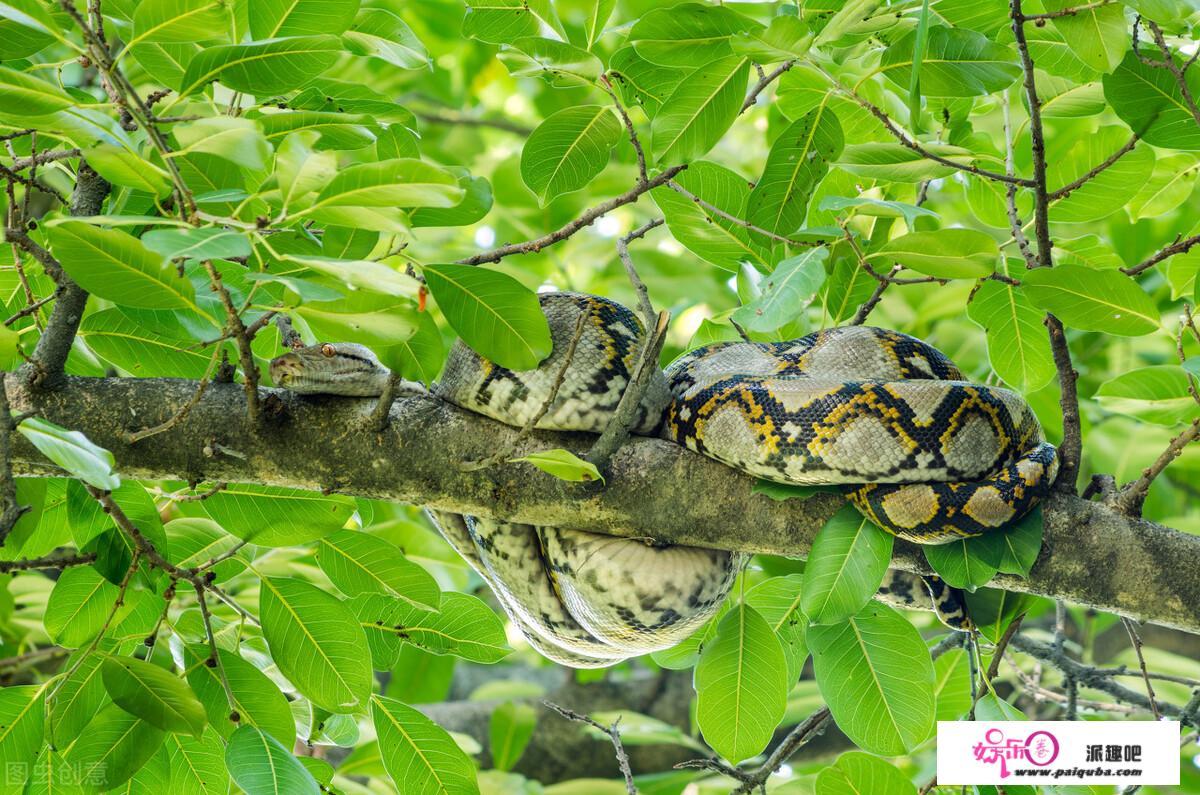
x=1092, y=555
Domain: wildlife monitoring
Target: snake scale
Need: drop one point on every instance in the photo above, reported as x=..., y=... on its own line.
x=921, y=452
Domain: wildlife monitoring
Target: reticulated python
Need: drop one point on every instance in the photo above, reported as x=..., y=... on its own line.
x=941, y=459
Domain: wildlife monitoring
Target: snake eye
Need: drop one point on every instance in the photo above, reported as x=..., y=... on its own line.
x=328, y=351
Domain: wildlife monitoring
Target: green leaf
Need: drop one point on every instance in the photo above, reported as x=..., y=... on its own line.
x=878, y=208
x=699, y=111
x=640, y=82
x=237, y=140
x=777, y=600
x=845, y=566
x=1158, y=393
x=72, y=451
x=369, y=275
x=875, y=674
x=378, y=33
x=463, y=626
x=261, y=766
x=598, y=13
x=504, y=21
x=153, y=694
x=993, y=611
x=178, y=21
x=952, y=684
x=687, y=33
x=78, y=606
x=638, y=729
x=496, y=315
x=1149, y=100
x=358, y=562
x=257, y=700
x=568, y=150
x=117, y=266
x=797, y=162
x=317, y=643
x=262, y=68
x=114, y=747
x=897, y=163
x=130, y=340
x=197, y=765
x=966, y=563
x=993, y=708
x=509, y=731
x=741, y=685
x=33, y=96
x=387, y=184
x=271, y=516
x=22, y=729
x=475, y=204
x=786, y=37
x=275, y=19
x=564, y=465
x=957, y=63
x=856, y=772
x=208, y=242
x=121, y=167
x=1018, y=348
x=557, y=62
x=1021, y=543
x=1097, y=34
x=1109, y=190
x=1093, y=300
x=919, y=47
x=418, y=754
x=1171, y=184
x=706, y=234
x=786, y=292
x=945, y=254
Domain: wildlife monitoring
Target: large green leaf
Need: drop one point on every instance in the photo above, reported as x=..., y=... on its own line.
x=702, y=231
x=462, y=626
x=966, y=563
x=946, y=253
x=797, y=162
x=898, y=163
x=378, y=33
x=1158, y=394
x=22, y=730
x=699, y=110
x=197, y=765
x=316, y=642
x=1018, y=347
x=419, y=755
x=155, y=695
x=688, y=33
x=32, y=95
x=496, y=315
x=777, y=600
x=115, y=746
x=1149, y=100
x=257, y=700
x=358, y=562
x=389, y=183
x=78, y=606
x=276, y=19
x=505, y=21
x=561, y=64
x=1109, y=190
x=875, y=674
x=741, y=685
x=957, y=63
x=261, y=766
x=1094, y=300
x=1172, y=182
x=568, y=150
x=129, y=339
x=178, y=20
x=786, y=292
x=1097, y=34
x=117, y=266
x=262, y=68
x=72, y=451
x=855, y=773
x=845, y=566
x=509, y=732
x=271, y=516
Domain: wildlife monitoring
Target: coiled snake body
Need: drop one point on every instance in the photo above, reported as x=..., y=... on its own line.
x=934, y=459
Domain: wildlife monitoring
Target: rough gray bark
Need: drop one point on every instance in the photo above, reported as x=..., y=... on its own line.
x=1091, y=556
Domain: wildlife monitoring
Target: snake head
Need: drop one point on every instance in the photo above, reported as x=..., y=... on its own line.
x=330, y=368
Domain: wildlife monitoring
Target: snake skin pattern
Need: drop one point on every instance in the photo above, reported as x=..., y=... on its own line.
x=941, y=459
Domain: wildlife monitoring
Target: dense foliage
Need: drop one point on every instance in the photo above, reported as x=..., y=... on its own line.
x=402, y=173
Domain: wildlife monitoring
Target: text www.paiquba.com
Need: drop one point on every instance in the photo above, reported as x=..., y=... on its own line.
x=1076, y=772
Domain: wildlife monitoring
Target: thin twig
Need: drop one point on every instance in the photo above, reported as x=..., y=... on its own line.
x=764, y=81
x=715, y=210
x=633, y=136
x=394, y=388
x=214, y=655
x=585, y=219
x=235, y=327
x=1131, y=498
x=1067, y=12
x=134, y=437
x=613, y=733
x=1092, y=173
x=13, y=510
x=993, y=669
x=1136, y=640
x=1181, y=245
x=1169, y=64
x=52, y=562
x=1010, y=193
